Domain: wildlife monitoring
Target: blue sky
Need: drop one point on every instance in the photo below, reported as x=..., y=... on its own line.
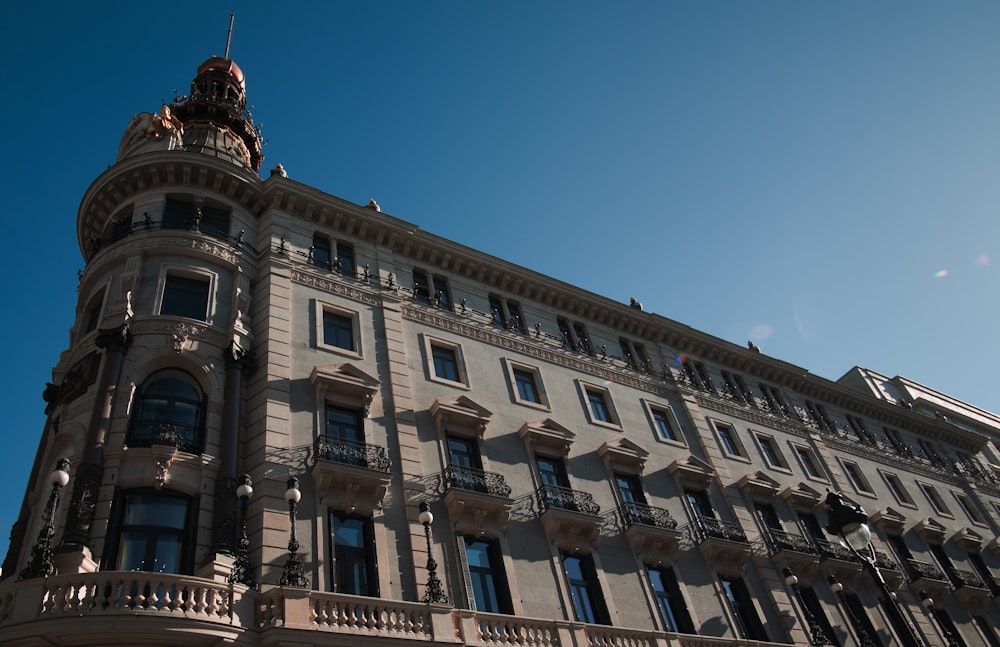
x=818, y=177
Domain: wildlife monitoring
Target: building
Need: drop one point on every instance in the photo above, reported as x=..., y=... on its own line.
x=294, y=420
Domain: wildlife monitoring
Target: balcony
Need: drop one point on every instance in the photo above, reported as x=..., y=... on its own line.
x=889, y=569
x=722, y=543
x=925, y=576
x=354, y=474
x=837, y=560
x=570, y=517
x=651, y=532
x=970, y=590
x=158, y=609
x=187, y=438
x=792, y=550
x=478, y=502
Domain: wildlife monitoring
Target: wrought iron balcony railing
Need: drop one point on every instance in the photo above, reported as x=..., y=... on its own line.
x=187, y=438
x=960, y=578
x=351, y=452
x=563, y=498
x=707, y=528
x=923, y=570
x=884, y=562
x=641, y=514
x=779, y=540
x=830, y=550
x=475, y=480
x=213, y=230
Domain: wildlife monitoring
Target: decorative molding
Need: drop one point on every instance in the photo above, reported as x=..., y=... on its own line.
x=547, y=434
x=336, y=286
x=460, y=412
x=622, y=454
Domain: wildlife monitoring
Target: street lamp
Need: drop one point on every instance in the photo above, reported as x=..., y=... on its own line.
x=41, y=564
x=242, y=568
x=816, y=634
x=434, y=593
x=293, y=573
x=849, y=524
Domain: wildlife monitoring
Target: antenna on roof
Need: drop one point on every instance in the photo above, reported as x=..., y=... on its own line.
x=229, y=36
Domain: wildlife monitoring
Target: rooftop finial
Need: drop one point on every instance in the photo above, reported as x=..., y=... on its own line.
x=229, y=36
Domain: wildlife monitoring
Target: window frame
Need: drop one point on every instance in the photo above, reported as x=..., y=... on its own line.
x=168, y=271
x=198, y=405
x=896, y=488
x=670, y=418
x=321, y=310
x=187, y=534
x=368, y=552
x=807, y=458
x=734, y=441
x=763, y=439
x=935, y=499
x=495, y=574
x=589, y=391
x=856, y=477
x=968, y=506
x=669, y=600
x=740, y=599
x=588, y=583
x=434, y=284
x=432, y=343
x=512, y=368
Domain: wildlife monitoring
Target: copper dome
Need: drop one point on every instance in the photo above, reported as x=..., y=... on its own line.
x=225, y=65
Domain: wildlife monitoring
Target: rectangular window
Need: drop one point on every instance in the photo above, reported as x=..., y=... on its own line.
x=185, y=296
x=669, y=600
x=748, y=623
x=811, y=526
x=155, y=534
x=970, y=509
x=768, y=516
x=207, y=219
x=817, y=413
x=319, y=252
x=345, y=259
x=338, y=330
x=697, y=375
x=527, y=389
x=354, y=566
x=812, y=603
x=634, y=355
x=700, y=504
x=506, y=314
x=860, y=430
x=445, y=363
x=598, y=406
x=769, y=449
x=574, y=335
x=92, y=315
x=727, y=438
x=585, y=592
x=774, y=400
x=486, y=573
x=857, y=478
x=737, y=388
x=664, y=423
x=935, y=499
x=465, y=463
x=808, y=461
x=897, y=488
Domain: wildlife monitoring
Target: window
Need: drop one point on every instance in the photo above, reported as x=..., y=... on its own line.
x=986, y=628
x=727, y=438
x=812, y=603
x=92, y=314
x=857, y=477
x=697, y=375
x=345, y=259
x=808, y=461
x=168, y=411
x=207, y=219
x=768, y=516
x=738, y=389
x=486, y=573
x=445, y=360
x=811, y=527
x=817, y=413
x=769, y=449
x=898, y=445
x=344, y=436
x=897, y=488
x=635, y=355
x=554, y=490
x=185, y=296
x=897, y=543
x=700, y=504
x=952, y=636
x=935, y=499
x=748, y=623
x=774, y=400
x=506, y=314
x=155, y=533
x=585, y=592
x=664, y=422
x=970, y=508
x=320, y=252
x=669, y=600
x=574, y=336
x=598, y=405
x=527, y=390
x=431, y=289
x=465, y=464
x=860, y=430
x=632, y=498
x=858, y=610
x=353, y=570
x=338, y=330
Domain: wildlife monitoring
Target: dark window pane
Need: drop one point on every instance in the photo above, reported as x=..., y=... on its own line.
x=344, y=424
x=598, y=406
x=445, y=363
x=662, y=423
x=526, y=387
x=185, y=297
x=354, y=566
x=345, y=259
x=321, y=251
x=338, y=330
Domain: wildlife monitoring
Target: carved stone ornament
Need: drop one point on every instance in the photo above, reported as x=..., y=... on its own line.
x=548, y=436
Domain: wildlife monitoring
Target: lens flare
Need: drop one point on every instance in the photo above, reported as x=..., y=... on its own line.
x=940, y=274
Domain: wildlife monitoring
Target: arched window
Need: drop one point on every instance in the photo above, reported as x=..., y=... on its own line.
x=169, y=410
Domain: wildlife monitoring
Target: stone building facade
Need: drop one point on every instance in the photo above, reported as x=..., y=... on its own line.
x=582, y=472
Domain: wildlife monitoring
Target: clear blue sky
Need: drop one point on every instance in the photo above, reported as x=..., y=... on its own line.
x=819, y=177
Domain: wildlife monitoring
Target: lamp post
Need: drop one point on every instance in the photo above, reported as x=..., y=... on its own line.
x=293, y=574
x=816, y=634
x=434, y=593
x=242, y=568
x=41, y=564
x=849, y=524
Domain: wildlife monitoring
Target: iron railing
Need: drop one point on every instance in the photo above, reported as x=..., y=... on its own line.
x=779, y=540
x=705, y=528
x=633, y=513
x=924, y=570
x=475, y=480
x=351, y=452
x=187, y=438
x=563, y=498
